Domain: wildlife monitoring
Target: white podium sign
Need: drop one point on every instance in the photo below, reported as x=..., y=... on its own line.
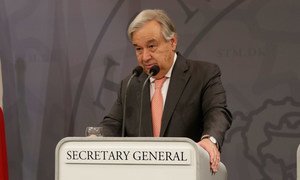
x=79, y=158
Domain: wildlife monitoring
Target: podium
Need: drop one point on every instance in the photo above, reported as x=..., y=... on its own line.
x=298, y=163
x=133, y=158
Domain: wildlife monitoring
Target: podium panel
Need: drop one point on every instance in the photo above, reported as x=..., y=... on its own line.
x=135, y=158
x=298, y=163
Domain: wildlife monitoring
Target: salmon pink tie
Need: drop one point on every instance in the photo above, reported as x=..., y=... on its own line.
x=157, y=106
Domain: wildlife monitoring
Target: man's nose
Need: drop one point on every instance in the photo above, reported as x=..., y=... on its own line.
x=146, y=55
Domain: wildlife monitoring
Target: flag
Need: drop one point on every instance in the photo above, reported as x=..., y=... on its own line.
x=3, y=154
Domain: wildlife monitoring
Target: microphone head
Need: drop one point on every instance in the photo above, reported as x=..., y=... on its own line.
x=137, y=71
x=154, y=70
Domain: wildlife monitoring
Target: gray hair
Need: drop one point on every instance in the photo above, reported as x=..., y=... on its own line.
x=167, y=27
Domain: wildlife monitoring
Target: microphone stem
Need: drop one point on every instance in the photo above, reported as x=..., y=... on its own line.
x=141, y=105
x=125, y=103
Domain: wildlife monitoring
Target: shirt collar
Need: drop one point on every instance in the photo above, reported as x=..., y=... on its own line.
x=168, y=75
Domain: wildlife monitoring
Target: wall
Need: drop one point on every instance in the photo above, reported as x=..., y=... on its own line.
x=63, y=60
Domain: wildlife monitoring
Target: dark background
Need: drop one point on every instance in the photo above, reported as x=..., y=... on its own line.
x=62, y=61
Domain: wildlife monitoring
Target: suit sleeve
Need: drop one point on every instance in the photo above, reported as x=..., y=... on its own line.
x=217, y=118
x=112, y=123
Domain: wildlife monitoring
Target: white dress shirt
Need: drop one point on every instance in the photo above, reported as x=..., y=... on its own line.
x=165, y=86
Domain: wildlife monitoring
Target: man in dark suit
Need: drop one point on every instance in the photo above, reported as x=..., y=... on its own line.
x=192, y=99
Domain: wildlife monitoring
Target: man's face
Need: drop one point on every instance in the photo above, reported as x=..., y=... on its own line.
x=152, y=49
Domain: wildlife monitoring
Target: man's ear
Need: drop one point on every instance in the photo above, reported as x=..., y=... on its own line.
x=174, y=42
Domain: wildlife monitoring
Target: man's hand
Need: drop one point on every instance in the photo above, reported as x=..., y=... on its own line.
x=213, y=152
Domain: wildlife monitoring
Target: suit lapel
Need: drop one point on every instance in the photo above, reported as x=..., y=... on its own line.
x=179, y=78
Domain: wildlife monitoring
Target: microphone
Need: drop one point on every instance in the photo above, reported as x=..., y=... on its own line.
x=153, y=71
x=136, y=72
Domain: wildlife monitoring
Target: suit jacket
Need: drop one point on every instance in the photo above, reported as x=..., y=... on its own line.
x=195, y=104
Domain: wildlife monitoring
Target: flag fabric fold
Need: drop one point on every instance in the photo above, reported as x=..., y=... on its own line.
x=3, y=153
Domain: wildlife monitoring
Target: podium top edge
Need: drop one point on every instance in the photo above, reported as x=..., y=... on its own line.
x=125, y=139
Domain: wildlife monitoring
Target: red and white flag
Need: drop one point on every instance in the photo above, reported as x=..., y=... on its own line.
x=3, y=153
